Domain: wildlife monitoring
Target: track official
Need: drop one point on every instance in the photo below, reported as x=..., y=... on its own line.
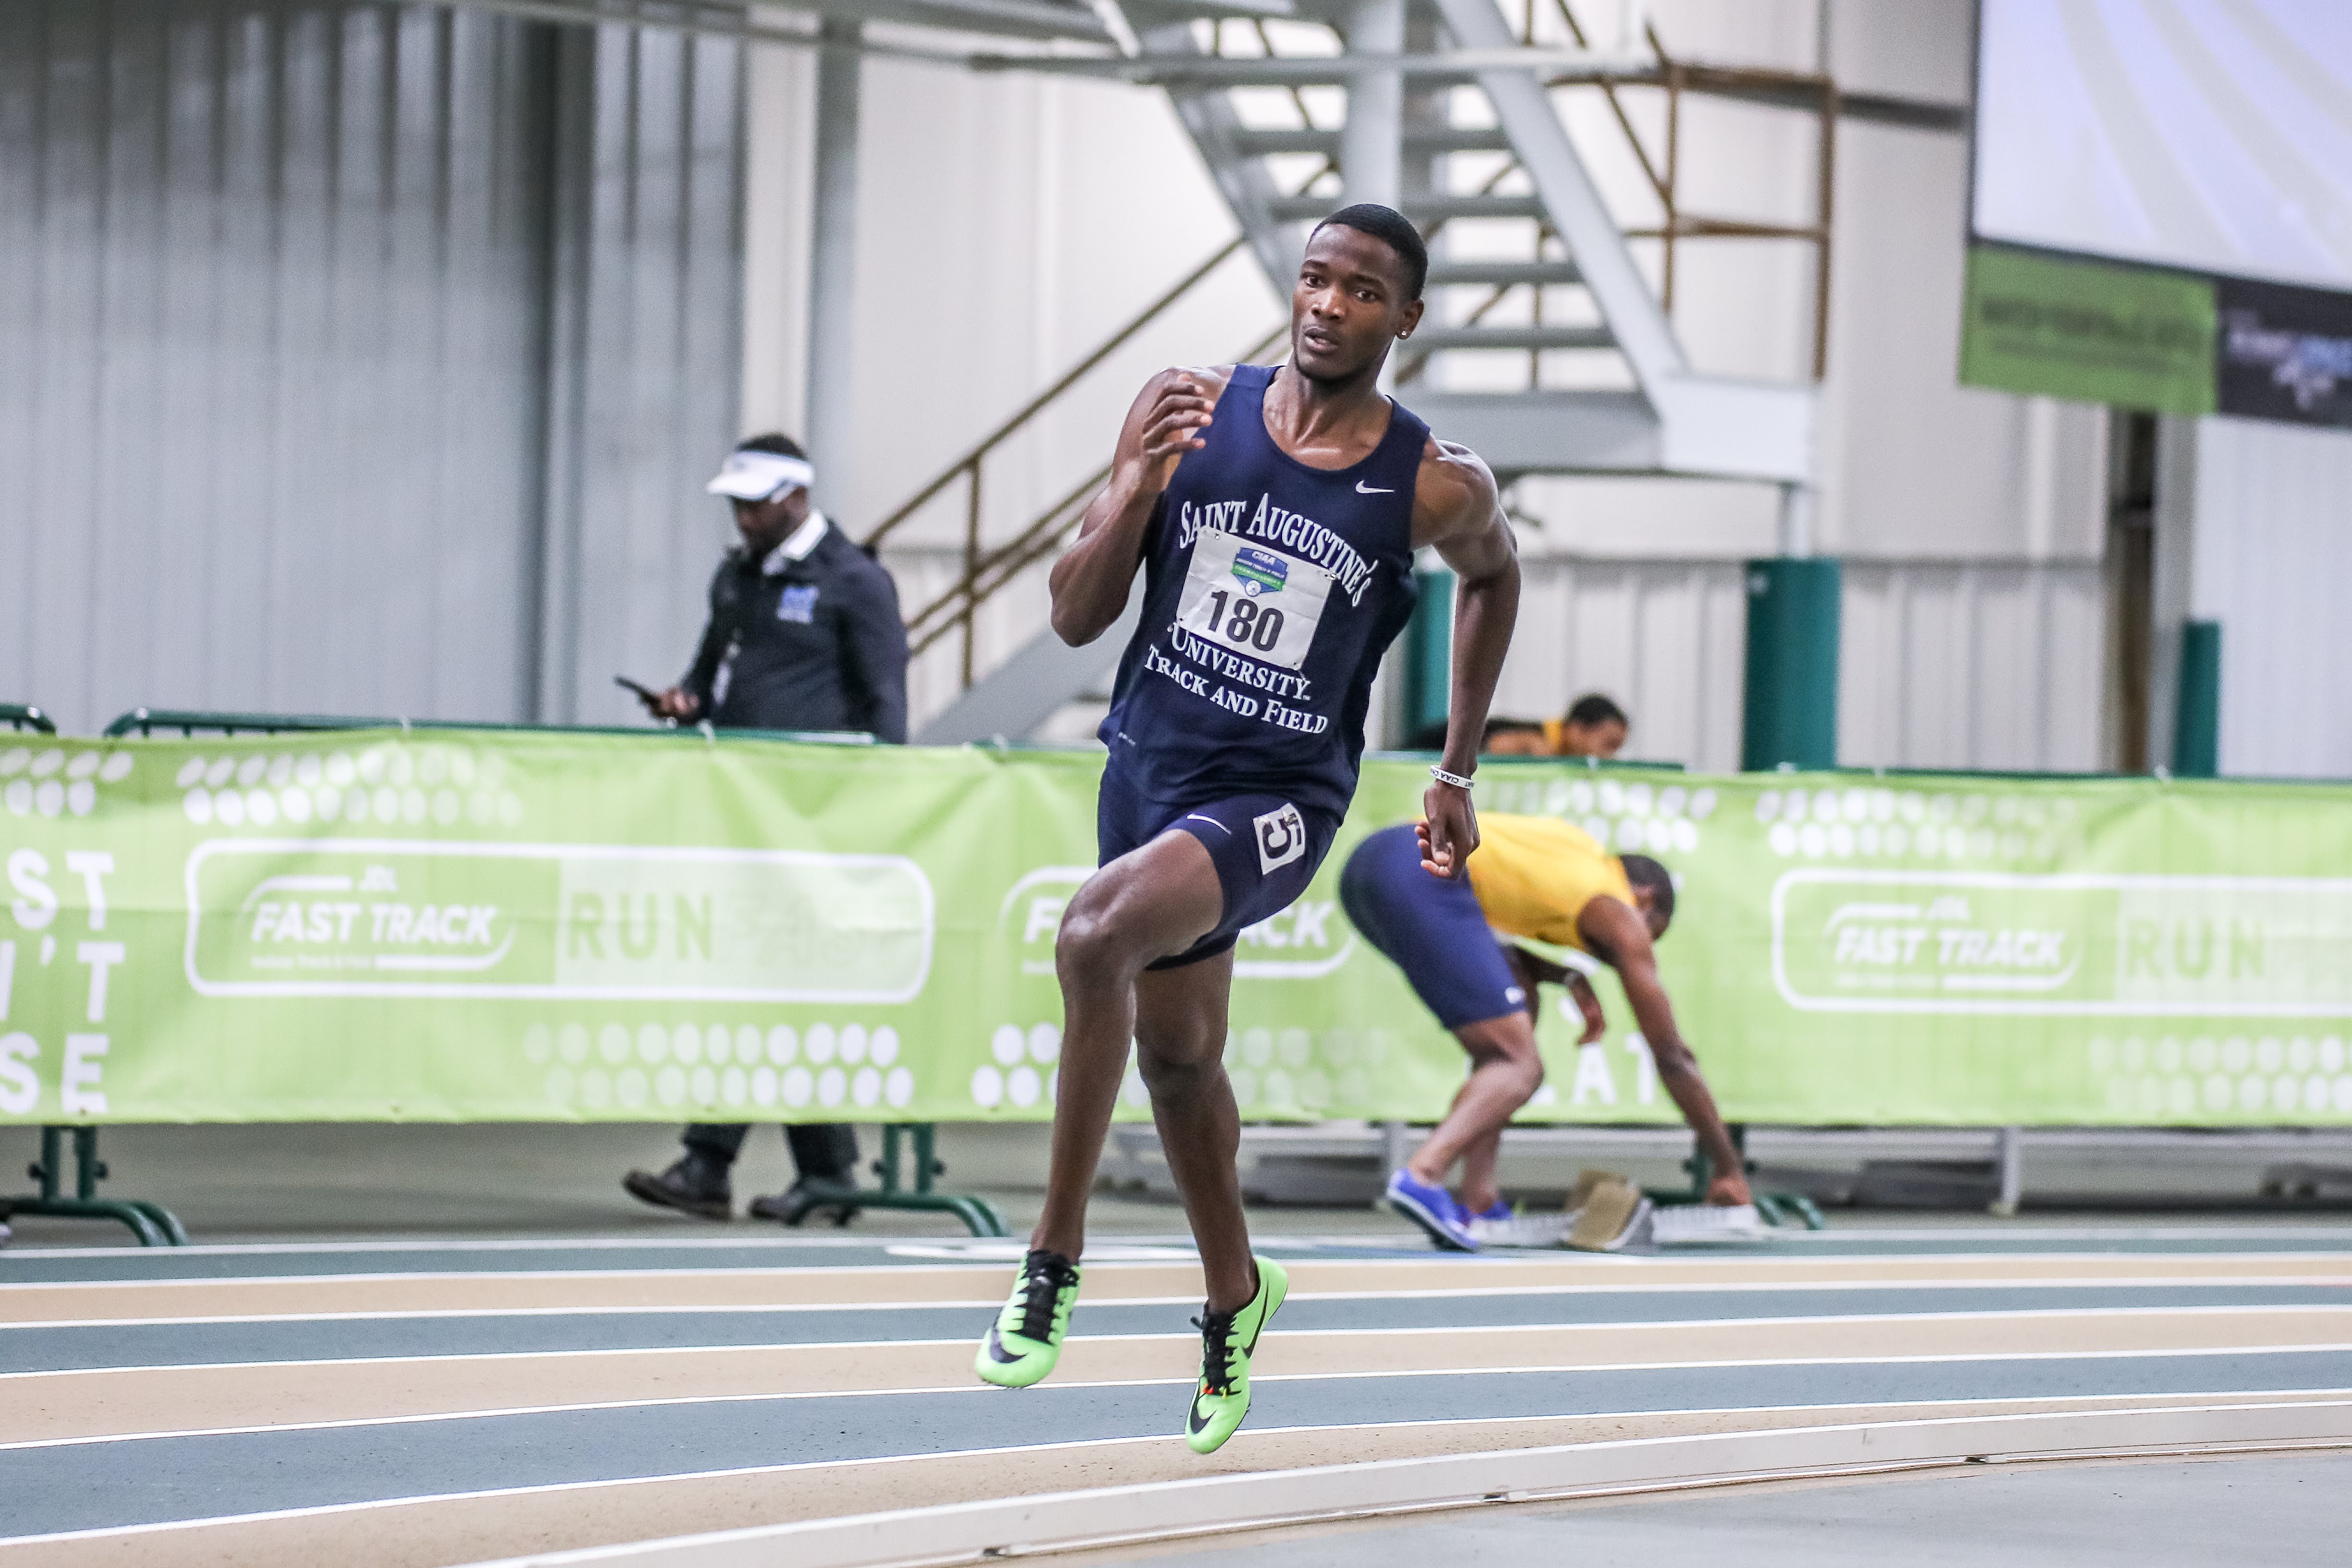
x=804, y=634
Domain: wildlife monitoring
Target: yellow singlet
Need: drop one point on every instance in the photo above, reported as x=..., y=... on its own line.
x=1534, y=875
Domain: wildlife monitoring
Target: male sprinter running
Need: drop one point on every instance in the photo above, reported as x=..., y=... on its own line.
x=1532, y=877
x=1274, y=512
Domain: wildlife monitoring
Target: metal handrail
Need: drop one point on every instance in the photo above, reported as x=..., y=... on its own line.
x=25, y=716
x=935, y=620
x=1030, y=409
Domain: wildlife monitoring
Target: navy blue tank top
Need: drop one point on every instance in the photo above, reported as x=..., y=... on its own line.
x=1271, y=590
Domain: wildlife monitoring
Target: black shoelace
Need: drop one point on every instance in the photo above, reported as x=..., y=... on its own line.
x=1043, y=1277
x=1216, y=1350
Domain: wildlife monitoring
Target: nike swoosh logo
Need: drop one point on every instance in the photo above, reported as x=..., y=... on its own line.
x=1364, y=489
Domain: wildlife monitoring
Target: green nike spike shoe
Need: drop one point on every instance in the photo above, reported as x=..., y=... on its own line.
x=1227, y=1341
x=1025, y=1340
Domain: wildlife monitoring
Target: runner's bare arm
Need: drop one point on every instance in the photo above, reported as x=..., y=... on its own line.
x=1091, y=580
x=1618, y=935
x=1456, y=509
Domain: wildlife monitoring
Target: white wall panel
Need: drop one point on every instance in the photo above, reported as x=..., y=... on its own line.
x=646, y=359
x=269, y=394
x=1972, y=664
x=1663, y=638
x=278, y=314
x=2273, y=560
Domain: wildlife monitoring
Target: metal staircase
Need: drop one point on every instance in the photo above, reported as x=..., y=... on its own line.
x=1526, y=260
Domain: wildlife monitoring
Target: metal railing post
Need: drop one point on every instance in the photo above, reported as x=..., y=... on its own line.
x=970, y=569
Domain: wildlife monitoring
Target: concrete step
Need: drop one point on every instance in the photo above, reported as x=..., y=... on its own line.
x=1445, y=139
x=1502, y=274
x=1423, y=210
x=1440, y=340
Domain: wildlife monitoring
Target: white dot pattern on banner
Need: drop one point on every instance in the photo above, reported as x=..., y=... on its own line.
x=1006, y=1044
x=1023, y=1086
x=2268, y=1077
x=1131, y=1089
x=1045, y=1043
x=706, y=1065
x=987, y=1087
x=819, y=1043
x=384, y=785
x=1643, y=815
x=1872, y=824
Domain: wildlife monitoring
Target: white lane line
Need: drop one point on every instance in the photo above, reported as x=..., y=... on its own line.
x=2020, y=1238
x=1832, y=1320
x=2234, y=1398
x=974, y=1389
x=1618, y=1288
x=1599, y=1262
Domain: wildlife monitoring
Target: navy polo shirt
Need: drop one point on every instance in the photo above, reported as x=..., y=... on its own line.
x=808, y=637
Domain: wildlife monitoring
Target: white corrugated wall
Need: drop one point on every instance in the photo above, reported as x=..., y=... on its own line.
x=1942, y=664
x=2273, y=557
x=327, y=330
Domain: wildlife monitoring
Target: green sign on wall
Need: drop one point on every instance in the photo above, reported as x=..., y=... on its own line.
x=515, y=926
x=2129, y=336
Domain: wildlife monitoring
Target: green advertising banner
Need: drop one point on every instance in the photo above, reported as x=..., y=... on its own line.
x=2130, y=336
x=552, y=926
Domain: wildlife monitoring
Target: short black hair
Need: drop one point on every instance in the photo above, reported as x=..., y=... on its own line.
x=1511, y=727
x=775, y=441
x=1644, y=873
x=1594, y=709
x=1393, y=229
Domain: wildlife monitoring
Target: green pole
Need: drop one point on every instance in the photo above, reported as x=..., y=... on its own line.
x=1790, y=712
x=1429, y=652
x=2197, y=726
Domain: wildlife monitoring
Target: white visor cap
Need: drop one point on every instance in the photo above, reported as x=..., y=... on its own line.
x=757, y=476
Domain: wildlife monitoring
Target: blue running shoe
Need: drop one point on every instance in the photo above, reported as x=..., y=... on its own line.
x=1496, y=1212
x=1434, y=1209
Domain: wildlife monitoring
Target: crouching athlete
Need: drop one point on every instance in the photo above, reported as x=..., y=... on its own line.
x=1545, y=879
x=1273, y=512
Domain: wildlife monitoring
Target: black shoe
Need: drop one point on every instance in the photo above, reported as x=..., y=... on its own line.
x=694, y=1186
x=792, y=1204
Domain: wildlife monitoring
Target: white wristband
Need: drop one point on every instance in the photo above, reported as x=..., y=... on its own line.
x=1456, y=780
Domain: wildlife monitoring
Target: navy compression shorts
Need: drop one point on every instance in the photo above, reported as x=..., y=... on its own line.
x=1265, y=848
x=1430, y=927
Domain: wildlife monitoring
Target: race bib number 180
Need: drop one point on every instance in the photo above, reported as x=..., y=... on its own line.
x=1257, y=602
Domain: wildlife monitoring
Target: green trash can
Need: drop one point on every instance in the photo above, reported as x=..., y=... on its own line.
x=1788, y=716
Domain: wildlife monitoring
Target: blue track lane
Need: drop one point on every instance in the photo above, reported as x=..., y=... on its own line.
x=115, y=1482
x=81, y=1347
